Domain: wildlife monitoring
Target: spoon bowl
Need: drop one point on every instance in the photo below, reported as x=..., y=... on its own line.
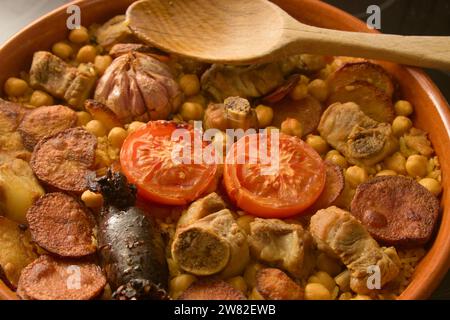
x=254, y=31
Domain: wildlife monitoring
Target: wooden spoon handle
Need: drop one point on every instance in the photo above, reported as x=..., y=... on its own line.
x=421, y=51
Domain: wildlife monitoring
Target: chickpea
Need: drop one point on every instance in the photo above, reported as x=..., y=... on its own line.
x=416, y=166
x=303, y=80
x=345, y=296
x=134, y=126
x=317, y=143
x=327, y=264
x=238, y=283
x=255, y=295
x=401, y=125
x=299, y=92
x=62, y=50
x=318, y=89
x=198, y=99
x=356, y=175
x=117, y=136
x=432, y=185
x=361, y=297
x=191, y=111
x=403, y=108
x=96, y=128
x=15, y=87
x=102, y=63
x=190, y=84
x=396, y=162
x=292, y=127
x=244, y=222
x=343, y=280
x=87, y=54
x=83, y=118
x=41, y=98
x=337, y=158
x=265, y=115
x=250, y=273
x=386, y=173
x=316, y=291
x=180, y=283
x=92, y=199
x=323, y=278
x=79, y=36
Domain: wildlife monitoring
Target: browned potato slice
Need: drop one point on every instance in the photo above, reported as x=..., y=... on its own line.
x=373, y=101
x=60, y=224
x=49, y=278
x=333, y=187
x=211, y=289
x=64, y=160
x=274, y=284
x=45, y=121
x=16, y=249
x=102, y=113
x=361, y=71
x=307, y=111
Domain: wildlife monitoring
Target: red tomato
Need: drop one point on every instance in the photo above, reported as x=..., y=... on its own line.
x=292, y=188
x=147, y=161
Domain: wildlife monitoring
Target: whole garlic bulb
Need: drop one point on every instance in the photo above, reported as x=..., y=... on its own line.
x=138, y=87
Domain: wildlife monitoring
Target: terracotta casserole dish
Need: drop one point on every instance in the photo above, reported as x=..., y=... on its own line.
x=431, y=110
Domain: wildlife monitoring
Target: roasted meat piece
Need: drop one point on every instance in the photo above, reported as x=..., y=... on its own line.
x=283, y=245
x=340, y=234
x=234, y=113
x=138, y=87
x=114, y=31
x=201, y=208
x=212, y=245
x=51, y=74
x=361, y=139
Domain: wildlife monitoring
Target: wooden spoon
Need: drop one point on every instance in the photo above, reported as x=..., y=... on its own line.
x=250, y=31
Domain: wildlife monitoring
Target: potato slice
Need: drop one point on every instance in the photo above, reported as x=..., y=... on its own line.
x=361, y=71
x=374, y=102
x=211, y=289
x=18, y=189
x=45, y=121
x=102, y=113
x=334, y=186
x=307, y=111
x=16, y=249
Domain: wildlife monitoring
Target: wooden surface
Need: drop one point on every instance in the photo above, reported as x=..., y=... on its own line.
x=430, y=104
x=219, y=33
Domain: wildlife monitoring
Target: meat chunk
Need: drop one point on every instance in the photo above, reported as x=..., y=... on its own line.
x=396, y=210
x=283, y=245
x=214, y=244
x=45, y=121
x=274, y=284
x=201, y=208
x=361, y=139
x=51, y=74
x=114, y=31
x=340, y=234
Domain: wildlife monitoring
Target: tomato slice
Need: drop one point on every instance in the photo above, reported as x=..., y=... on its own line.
x=287, y=191
x=147, y=161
